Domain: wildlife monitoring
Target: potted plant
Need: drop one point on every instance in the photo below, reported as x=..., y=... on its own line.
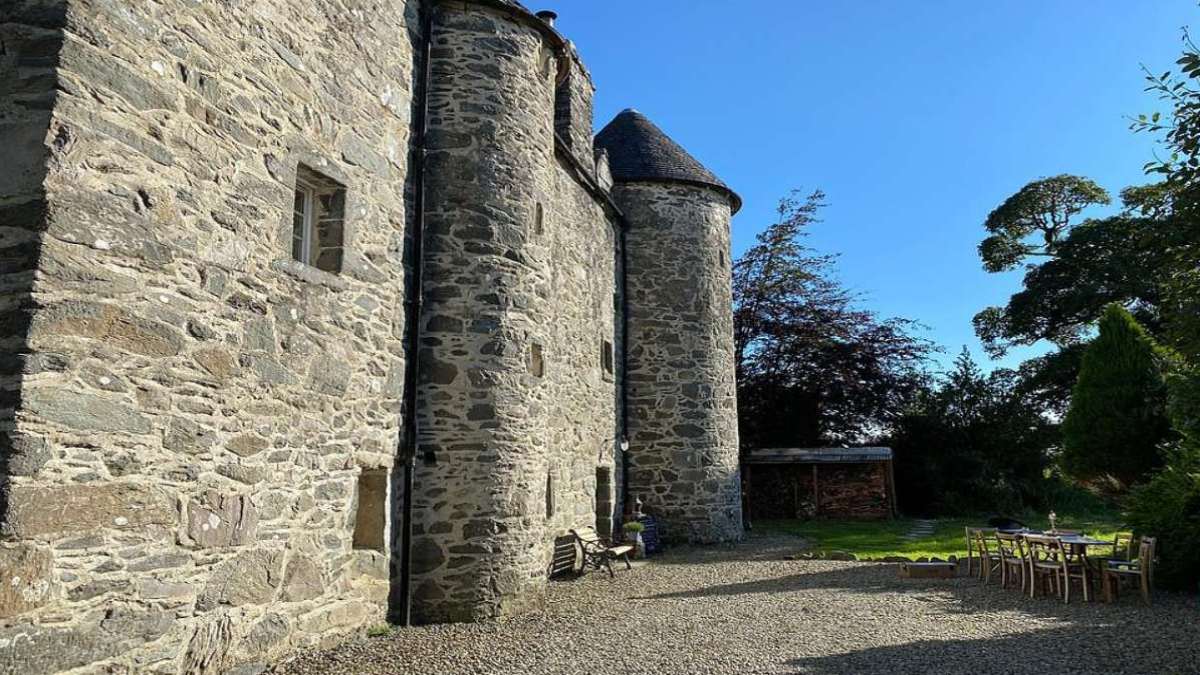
x=633, y=535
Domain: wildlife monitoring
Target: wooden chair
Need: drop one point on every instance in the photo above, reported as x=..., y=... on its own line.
x=598, y=553
x=1123, y=549
x=989, y=560
x=970, y=533
x=1141, y=569
x=1013, y=558
x=1050, y=561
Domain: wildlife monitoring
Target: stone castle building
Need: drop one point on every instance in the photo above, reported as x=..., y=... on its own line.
x=310, y=306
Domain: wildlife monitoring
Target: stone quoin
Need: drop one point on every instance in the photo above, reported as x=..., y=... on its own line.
x=209, y=218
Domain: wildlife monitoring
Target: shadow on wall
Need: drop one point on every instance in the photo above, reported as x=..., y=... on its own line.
x=31, y=38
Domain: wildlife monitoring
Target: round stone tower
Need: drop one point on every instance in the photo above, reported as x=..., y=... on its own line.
x=480, y=485
x=682, y=395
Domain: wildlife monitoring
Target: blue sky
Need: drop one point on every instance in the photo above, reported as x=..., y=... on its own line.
x=916, y=118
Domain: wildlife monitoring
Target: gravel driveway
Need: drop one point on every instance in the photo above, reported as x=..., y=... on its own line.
x=748, y=610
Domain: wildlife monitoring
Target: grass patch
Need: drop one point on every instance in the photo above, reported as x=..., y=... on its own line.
x=380, y=630
x=882, y=538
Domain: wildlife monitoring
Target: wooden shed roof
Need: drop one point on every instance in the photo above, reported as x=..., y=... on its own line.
x=818, y=455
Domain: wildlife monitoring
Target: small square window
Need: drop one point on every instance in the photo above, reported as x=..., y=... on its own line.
x=318, y=220
x=606, y=356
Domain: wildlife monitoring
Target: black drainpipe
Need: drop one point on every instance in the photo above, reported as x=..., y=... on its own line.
x=402, y=599
x=627, y=507
x=624, y=366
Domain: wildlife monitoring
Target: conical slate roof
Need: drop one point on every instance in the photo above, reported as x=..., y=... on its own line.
x=639, y=151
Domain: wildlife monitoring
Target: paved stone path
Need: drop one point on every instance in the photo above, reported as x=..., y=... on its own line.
x=748, y=610
x=920, y=530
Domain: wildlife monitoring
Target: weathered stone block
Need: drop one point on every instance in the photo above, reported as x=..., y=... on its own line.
x=188, y=437
x=84, y=412
x=216, y=362
x=107, y=323
x=246, y=445
x=927, y=570
x=160, y=561
x=302, y=580
x=27, y=454
x=94, y=589
x=26, y=578
x=37, y=511
x=427, y=555
x=329, y=375
x=217, y=520
x=270, y=631
x=38, y=650
x=249, y=578
x=208, y=651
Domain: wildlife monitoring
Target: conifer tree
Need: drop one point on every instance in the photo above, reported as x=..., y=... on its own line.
x=1117, y=419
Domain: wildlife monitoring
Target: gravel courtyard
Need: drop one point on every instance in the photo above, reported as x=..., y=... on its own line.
x=748, y=610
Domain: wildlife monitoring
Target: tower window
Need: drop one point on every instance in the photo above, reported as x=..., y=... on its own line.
x=606, y=356
x=537, y=363
x=549, y=495
x=370, y=516
x=318, y=220
x=539, y=220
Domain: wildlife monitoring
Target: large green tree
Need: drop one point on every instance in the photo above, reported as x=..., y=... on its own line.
x=1034, y=221
x=1118, y=259
x=1077, y=270
x=1117, y=420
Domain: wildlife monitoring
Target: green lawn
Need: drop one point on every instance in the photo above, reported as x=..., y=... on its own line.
x=878, y=539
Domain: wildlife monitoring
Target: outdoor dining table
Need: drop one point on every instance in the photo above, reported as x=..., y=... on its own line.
x=1077, y=542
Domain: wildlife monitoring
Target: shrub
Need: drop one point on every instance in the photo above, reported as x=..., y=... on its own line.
x=633, y=527
x=1117, y=419
x=974, y=443
x=1168, y=507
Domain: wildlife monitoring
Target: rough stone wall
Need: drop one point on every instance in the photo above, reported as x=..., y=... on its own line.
x=573, y=119
x=682, y=394
x=194, y=407
x=485, y=400
x=584, y=430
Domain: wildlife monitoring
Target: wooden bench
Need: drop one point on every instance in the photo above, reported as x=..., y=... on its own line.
x=599, y=553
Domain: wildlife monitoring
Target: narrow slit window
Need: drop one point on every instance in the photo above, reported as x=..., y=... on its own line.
x=318, y=220
x=549, y=495
x=537, y=362
x=539, y=220
x=606, y=356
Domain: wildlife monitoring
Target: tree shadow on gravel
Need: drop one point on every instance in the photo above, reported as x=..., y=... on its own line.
x=753, y=548
x=965, y=595
x=1100, y=648
x=1089, y=638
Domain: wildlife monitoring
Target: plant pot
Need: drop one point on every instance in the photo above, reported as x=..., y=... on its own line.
x=634, y=539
